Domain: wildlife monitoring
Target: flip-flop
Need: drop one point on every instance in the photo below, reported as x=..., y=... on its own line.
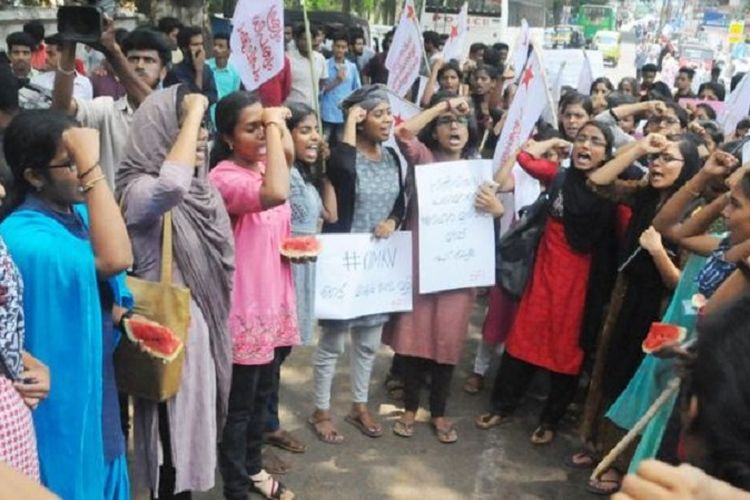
x=403, y=429
x=490, y=420
x=539, y=436
x=474, y=384
x=285, y=441
x=446, y=436
x=591, y=488
x=356, y=422
x=333, y=438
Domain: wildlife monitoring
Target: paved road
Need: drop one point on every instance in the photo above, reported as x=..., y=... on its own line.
x=483, y=465
x=626, y=67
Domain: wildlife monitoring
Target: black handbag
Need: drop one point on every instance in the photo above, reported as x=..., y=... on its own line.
x=516, y=249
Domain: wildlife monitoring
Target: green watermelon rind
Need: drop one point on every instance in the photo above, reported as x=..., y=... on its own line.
x=165, y=358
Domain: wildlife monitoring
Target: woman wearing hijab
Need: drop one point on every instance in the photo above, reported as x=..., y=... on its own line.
x=369, y=189
x=165, y=170
x=66, y=234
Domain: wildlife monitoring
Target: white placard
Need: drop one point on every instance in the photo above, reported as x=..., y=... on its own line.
x=357, y=275
x=456, y=242
x=573, y=58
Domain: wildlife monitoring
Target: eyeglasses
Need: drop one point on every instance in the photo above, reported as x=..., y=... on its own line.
x=68, y=164
x=450, y=120
x=594, y=141
x=665, y=158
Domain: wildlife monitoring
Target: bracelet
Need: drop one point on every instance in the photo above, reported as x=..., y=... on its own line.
x=65, y=72
x=90, y=185
x=87, y=172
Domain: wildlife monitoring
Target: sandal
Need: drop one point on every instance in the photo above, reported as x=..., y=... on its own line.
x=584, y=459
x=374, y=430
x=332, y=437
x=474, y=383
x=282, y=439
x=490, y=420
x=273, y=464
x=604, y=487
x=264, y=484
x=542, y=435
x=446, y=436
x=403, y=429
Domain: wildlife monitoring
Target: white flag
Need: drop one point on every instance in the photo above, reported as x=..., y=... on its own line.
x=521, y=48
x=528, y=104
x=257, y=41
x=736, y=106
x=402, y=110
x=586, y=78
x=405, y=55
x=553, y=98
x=455, y=45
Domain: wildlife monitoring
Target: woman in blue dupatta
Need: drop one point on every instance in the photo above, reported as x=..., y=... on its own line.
x=62, y=256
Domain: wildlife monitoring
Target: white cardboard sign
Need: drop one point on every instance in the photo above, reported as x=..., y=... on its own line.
x=456, y=242
x=357, y=275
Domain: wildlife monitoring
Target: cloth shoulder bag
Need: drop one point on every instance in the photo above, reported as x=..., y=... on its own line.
x=515, y=251
x=138, y=373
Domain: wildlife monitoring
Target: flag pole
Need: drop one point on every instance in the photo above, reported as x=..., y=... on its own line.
x=316, y=90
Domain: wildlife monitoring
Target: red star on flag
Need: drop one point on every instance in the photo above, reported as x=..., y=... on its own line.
x=397, y=120
x=454, y=31
x=528, y=75
x=410, y=12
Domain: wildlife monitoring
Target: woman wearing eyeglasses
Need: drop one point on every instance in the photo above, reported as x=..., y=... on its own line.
x=66, y=235
x=430, y=338
x=546, y=332
x=647, y=276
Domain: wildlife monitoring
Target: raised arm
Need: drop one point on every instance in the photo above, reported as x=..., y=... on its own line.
x=275, y=188
x=62, y=93
x=355, y=116
x=429, y=89
x=414, y=125
x=610, y=171
x=137, y=90
x=650, y=240
x=109, y=236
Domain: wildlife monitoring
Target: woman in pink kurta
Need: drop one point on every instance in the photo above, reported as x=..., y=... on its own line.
x=251, y=173
x=431, y=337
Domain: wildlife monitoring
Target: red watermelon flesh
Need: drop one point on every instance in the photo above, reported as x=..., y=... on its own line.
x=157, y=340
x=661, y=334
x=300, y=246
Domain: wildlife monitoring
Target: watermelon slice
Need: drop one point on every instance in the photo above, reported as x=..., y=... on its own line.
x=156, y=340
x=661, y=334
x=298, y=247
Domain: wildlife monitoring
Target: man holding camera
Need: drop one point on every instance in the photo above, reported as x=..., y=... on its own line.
x=82, y=89
x=193, y=70
x=140, y=65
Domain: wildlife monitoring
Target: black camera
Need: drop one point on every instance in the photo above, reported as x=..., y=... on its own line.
x=84, y=23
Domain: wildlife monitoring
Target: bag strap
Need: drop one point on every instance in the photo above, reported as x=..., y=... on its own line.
x=166, y=250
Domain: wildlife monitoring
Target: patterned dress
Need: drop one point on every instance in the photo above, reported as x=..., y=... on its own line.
x=17, y=437
x=306, y=209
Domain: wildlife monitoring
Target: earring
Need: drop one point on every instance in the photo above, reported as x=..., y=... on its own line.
x=231, y=146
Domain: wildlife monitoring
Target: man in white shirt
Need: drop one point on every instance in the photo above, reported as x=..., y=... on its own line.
x=82, y=88
x=302, y=81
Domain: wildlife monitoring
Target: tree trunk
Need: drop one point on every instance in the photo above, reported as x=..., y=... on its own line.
x=228, y=8
x=346, y=6
x=189, y=12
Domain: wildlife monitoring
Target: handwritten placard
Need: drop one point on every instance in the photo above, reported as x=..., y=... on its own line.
x=357, y=275
x=258, y=41
x=456, y=242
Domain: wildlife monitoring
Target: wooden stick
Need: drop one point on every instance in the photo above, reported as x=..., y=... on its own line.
x=484, y=139
x=316, y=90
x=607, y=461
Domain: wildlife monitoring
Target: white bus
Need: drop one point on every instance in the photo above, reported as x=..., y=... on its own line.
x=487, y=22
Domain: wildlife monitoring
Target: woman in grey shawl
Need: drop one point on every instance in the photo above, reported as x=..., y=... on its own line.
x=164, y=169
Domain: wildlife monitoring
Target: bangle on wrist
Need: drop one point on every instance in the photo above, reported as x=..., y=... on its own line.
x=88, y=171
x=90, y=185
x=65, y=71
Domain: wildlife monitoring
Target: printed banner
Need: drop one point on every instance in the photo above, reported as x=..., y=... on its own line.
x=405, y=55
x=257, y=41
x=456, y=241
x=357, y=275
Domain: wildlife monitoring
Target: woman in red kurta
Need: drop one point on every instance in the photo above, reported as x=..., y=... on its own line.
x=546, y=332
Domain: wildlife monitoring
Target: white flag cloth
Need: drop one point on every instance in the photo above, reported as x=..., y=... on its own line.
x=257, y=41
x=455, y=46
x=528, y=104
x=521, y=48
x=405, y=55
x=553, y=98
x=402, y=110
x=586, y=78
x=736, y=106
